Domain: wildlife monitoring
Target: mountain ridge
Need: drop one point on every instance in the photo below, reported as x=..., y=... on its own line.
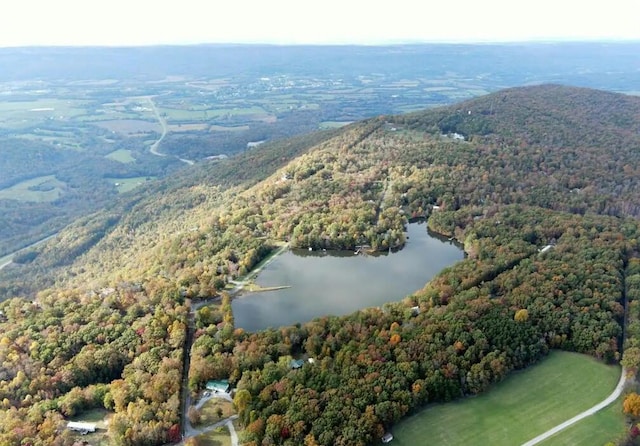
x=529, y=166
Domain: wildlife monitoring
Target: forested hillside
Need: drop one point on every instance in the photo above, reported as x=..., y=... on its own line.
x=506, y=174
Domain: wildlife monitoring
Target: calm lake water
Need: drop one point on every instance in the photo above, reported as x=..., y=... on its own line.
x=340, y=283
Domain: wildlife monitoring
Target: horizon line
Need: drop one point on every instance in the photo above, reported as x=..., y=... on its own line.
x=392, y=42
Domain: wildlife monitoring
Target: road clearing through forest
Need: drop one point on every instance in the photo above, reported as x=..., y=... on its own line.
x=601, y=405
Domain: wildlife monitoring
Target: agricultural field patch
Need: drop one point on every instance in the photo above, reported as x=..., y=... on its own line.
x=122, y=156
x=37, y=190
x=130, y=126
x=225, y=128
x=333, y=124
x=126, y=184
x=188, y=127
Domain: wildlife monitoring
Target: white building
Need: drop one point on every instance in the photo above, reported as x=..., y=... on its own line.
x=81, y=427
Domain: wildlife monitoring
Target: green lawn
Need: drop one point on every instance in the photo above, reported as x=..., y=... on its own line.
x=217, y=437
x=523, y=406
x=598, y=429
x=209, y=411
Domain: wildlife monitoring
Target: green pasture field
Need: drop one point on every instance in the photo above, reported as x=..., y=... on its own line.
x=38, y=190
x=127, y=184
x=122, y=156
x=526, y=404
x=25, y=114
x=129, y=126
x=64, y=142
x=44, y=106
x=333, y=124
x=598, y=429
x=174, y=114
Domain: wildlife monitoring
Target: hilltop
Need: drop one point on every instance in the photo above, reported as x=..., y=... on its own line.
x=506, y=174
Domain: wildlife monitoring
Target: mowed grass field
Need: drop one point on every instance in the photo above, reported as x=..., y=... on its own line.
x=524, y=405
x=598, y=429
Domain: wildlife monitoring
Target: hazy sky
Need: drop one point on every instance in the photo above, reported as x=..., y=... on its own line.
x=143, y=22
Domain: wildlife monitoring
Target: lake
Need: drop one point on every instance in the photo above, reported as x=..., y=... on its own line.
x=338, y=282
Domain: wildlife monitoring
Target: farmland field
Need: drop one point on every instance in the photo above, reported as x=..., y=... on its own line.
x=122, y=156
x=40, y=189
x=333, y=124
x=129, y=126
x=127, y=184
x=524, y=405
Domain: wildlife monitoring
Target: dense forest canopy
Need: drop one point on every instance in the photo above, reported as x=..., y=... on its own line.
x=540, y=184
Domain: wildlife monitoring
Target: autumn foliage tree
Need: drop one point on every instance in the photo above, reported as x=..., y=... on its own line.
x=631, y=405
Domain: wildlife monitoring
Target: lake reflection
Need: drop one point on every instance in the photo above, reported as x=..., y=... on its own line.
x=340, y=282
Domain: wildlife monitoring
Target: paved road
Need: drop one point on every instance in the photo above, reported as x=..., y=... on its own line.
x=8, y=259
x=601, y=405
x=163, y=124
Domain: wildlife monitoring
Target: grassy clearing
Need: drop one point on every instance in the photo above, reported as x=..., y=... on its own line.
x=333, y=124
x=217, y=437
x=101, y=418
x=523, y=406
x=598, y=429
x=122, y=156
x=37, y=190
x=210, y=410
x=127, y=184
